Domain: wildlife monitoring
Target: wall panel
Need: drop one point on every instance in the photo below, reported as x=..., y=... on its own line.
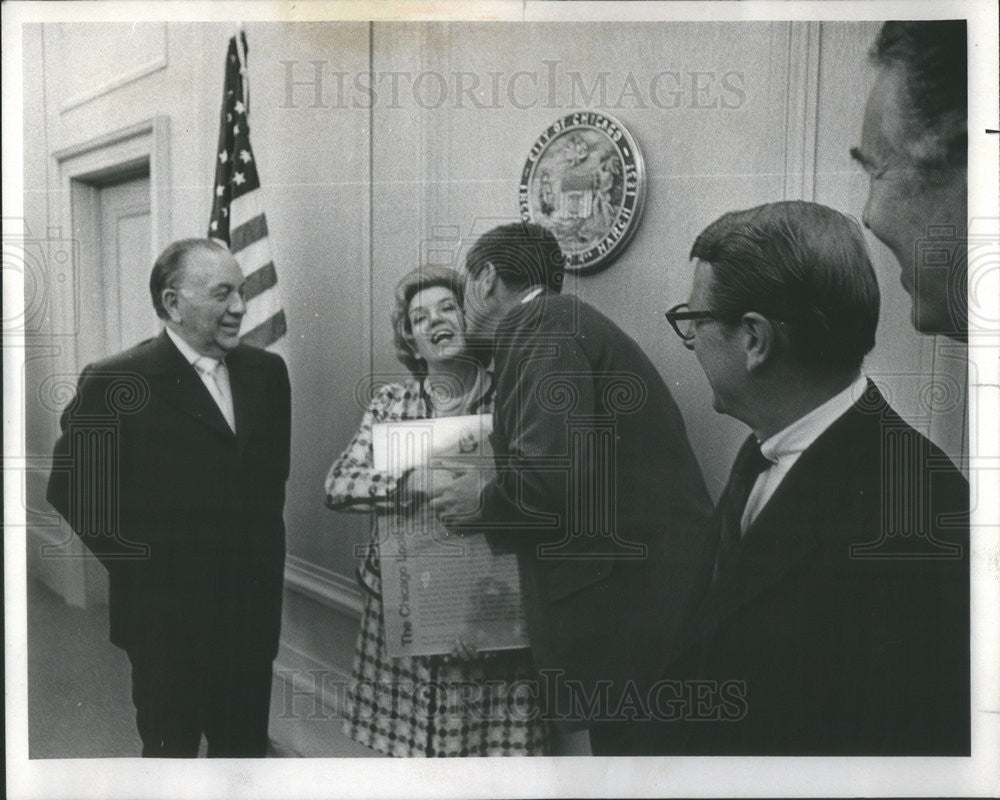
x=706, y=103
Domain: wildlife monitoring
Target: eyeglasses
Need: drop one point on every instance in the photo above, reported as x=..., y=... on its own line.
x=682, y=319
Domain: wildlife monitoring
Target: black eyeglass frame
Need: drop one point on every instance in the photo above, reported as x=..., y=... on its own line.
x=675, y=315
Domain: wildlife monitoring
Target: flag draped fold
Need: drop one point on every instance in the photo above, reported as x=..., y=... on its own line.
x=237, y=207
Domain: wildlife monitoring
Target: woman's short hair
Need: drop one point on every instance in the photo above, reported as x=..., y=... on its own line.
x=411, y=283
x=169, y=267
x=800, y=263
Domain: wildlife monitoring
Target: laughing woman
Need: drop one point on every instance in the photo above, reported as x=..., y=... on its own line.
x=427, y=705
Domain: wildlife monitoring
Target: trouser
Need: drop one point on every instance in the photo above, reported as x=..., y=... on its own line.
x=612, y=739
x=180, y=694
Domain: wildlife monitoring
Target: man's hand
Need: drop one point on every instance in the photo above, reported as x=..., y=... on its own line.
x=456, y=498
x=415, y=485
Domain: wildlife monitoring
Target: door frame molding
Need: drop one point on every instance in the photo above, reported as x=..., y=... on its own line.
x=802, y=109
x=81, y=169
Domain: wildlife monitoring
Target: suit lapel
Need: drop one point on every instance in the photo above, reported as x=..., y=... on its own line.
x=778, y=541
x=176, y=382
x=772, y=547
x=247, y=382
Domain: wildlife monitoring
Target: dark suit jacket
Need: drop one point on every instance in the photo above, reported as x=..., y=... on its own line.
x=842, y=624
x=586, y=434
x=186, y=516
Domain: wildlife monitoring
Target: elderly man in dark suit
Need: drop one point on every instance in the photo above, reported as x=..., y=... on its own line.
x=171, y=468
x=839, y=599
x=597, y=489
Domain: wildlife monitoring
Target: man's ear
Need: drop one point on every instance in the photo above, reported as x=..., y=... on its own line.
x=489, y=278
x=169, y=299
x=760, y=339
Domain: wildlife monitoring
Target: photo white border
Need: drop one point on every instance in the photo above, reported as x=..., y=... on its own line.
x=539, y=777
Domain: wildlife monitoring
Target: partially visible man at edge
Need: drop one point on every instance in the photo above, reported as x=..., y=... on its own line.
x=914, y=147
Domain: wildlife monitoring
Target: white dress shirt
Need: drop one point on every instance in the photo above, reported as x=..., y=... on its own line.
x=213, y=374
x=784, y=448
x=532, y=294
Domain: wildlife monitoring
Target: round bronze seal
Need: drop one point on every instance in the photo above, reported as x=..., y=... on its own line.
x=585, y=181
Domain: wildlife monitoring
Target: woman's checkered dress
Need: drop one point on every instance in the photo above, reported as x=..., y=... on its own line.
x=423, y=705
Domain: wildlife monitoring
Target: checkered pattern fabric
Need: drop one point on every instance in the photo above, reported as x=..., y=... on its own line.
x=424, y=706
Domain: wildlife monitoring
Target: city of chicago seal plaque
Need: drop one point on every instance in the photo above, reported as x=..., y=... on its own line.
x=585, y=181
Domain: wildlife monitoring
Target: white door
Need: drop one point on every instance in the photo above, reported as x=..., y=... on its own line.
x=126, y=261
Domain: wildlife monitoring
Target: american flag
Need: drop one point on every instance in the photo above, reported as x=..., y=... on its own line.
x=237, y=209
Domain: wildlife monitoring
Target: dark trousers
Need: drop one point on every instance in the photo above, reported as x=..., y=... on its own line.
x=182, y=693
x=612, y=739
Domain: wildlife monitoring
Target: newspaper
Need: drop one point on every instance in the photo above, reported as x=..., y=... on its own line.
x=437, y=589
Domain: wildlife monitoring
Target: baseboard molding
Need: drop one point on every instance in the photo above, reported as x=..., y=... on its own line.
x=325, y=586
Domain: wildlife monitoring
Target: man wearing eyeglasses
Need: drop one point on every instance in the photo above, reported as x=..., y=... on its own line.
x=838, y=605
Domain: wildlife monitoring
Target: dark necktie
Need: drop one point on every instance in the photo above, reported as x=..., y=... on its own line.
x=749, y=464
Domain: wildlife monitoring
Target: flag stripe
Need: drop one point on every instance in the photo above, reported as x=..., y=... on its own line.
x=246, y=207
x=260, y=281
x=247, y=233
x=268, y=332
x=254, y=256
x=261, y=308
x=238, y=209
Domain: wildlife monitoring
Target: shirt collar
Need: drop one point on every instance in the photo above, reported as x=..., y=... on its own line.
x=806, y=430
x=532, y=294
x=189, y=353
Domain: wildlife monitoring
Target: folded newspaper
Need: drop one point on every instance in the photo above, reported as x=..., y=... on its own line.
x=435, y=588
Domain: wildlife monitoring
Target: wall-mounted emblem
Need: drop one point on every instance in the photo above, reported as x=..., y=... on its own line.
x=585, y=181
